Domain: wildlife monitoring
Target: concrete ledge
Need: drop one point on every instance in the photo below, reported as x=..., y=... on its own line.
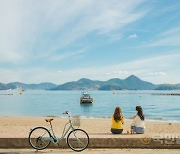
x=149, y=143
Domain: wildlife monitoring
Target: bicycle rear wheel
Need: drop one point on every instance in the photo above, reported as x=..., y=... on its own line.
x=39, y=138
x=78, y=140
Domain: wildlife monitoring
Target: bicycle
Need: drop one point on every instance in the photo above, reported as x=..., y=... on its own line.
x=41, y=137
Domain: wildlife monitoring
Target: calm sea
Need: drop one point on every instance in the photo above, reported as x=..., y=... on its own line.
x=54, y=103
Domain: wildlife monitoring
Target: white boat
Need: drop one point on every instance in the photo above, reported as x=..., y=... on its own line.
x=86, y=98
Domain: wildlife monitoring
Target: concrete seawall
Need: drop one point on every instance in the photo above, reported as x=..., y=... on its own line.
x=98, y=142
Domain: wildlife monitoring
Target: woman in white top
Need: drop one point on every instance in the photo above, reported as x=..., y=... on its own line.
x=137, y=125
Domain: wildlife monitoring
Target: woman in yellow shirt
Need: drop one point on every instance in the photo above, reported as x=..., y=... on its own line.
x=117, y=121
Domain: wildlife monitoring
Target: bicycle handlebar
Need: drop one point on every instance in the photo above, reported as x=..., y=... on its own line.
x=67, y=112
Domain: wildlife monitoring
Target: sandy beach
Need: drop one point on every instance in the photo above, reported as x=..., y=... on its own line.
x=20, y=126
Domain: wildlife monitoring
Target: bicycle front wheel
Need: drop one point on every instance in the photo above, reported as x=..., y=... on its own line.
x=39, y=138
x=78, y=140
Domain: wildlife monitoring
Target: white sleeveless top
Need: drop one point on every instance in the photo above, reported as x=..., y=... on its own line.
x=138, y=122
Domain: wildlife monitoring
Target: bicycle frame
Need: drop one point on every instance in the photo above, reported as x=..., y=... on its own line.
x=77, y=139
x=53, y=138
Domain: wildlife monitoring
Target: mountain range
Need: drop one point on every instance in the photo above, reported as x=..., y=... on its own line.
x=130, y=83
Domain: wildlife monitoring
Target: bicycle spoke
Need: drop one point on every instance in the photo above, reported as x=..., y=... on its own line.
x=36, y=138
x=78, y=140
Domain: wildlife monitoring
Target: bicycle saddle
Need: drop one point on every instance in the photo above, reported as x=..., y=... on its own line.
x=49, y=120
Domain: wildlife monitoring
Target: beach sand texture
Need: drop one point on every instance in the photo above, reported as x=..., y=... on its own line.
x=20, y=126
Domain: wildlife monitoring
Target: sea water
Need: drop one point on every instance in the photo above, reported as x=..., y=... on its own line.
x=54, y=103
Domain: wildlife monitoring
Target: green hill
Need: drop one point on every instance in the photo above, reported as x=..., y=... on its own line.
x=132, y=82
x=168, y=87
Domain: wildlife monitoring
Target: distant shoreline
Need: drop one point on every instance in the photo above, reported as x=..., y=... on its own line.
x=132, y=82
x=172, y=94
x=95, y=118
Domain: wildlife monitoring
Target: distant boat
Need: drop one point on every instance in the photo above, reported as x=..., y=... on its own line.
x=21, y=92
x=86, y=98
x=20, y=89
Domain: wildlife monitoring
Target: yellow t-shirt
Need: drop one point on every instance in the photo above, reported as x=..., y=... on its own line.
x=117, y=125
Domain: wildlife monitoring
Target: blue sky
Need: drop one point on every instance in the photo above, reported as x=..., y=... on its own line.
x=65, y=40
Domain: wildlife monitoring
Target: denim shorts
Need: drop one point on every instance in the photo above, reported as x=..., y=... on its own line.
x=138, y=130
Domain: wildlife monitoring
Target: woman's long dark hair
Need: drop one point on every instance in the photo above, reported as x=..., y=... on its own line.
x=117, y=114
x=140, y=112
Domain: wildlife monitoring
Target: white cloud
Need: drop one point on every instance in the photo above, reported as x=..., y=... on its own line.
x=157, y=73
x=119, y=72
x=170, y=37
x=163, y=66
x=36, y=30
x=9, y=32
x=159, y=69
x=10, y=75
x=65, y=55
x=133, y=36
x=44, y=27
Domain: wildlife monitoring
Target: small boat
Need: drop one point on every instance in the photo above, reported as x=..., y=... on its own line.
x=21, y=91
x=86, y=98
